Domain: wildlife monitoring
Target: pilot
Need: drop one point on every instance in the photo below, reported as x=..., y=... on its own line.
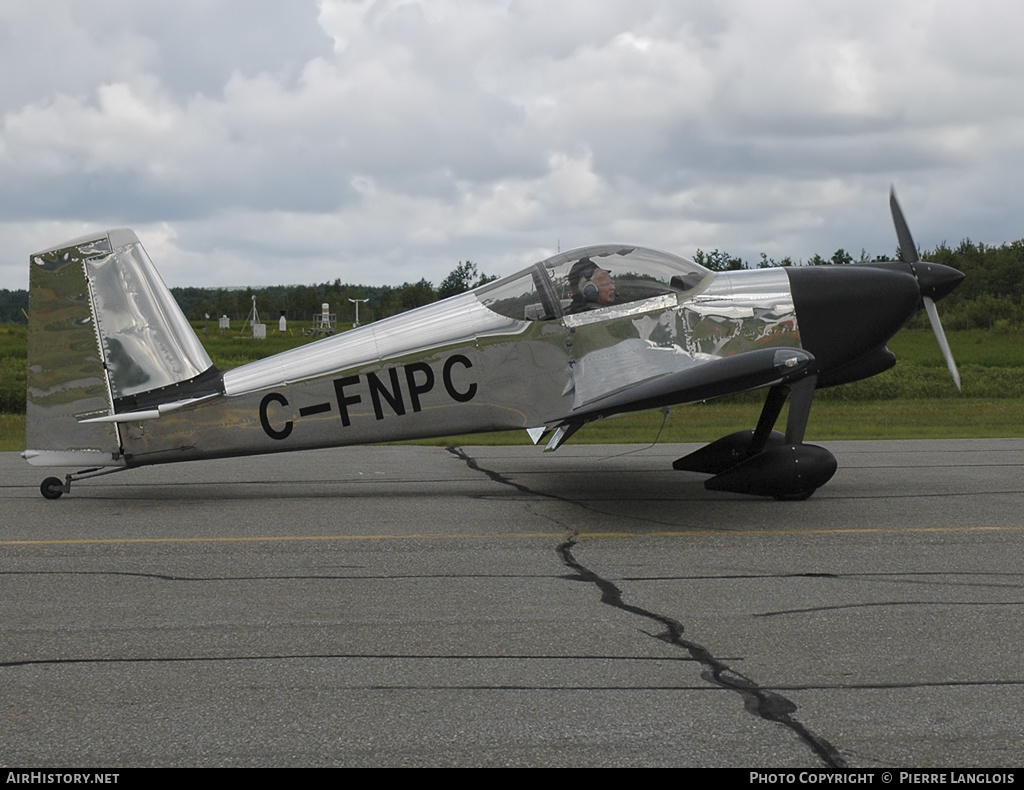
x=592, y=286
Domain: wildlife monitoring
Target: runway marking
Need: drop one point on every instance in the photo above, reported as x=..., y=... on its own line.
x=691, y=533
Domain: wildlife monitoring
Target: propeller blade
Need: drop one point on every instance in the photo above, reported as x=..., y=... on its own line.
x=908, y=250
x=933, y=316
x=931, y=279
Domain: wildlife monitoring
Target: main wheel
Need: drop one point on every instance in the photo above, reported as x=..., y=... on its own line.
x=798, y=496
x=52, y=487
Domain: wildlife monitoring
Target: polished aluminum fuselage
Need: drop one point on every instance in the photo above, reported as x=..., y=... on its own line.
x=456, y=367
x=118, y=378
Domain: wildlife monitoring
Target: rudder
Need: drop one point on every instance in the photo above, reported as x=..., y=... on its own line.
x=106, y=338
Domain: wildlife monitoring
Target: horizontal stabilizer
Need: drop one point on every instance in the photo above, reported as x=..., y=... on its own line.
x=149, y=414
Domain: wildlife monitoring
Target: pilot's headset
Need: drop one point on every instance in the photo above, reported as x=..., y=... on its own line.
x=586, y=286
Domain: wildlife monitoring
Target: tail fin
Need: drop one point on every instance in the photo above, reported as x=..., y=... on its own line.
x=106, y=339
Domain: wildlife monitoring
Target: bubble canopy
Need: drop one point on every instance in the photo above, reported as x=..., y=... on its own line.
x=571, y=281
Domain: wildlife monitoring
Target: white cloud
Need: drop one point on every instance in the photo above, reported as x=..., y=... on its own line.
x=384, y=140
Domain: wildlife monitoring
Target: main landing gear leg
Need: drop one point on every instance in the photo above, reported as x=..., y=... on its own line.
x=820, y=464
x=769, y=415
x=799, y=409
x=727, y=452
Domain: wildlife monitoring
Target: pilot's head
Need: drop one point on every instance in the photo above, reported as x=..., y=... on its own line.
x=592, y=284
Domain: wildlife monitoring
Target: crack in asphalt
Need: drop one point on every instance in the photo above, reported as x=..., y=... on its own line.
x=499, y=478
x=942, y=578
x=471, y=462
x=337, y=656
x=758, y=700
x=33, y=662
x=884, y=605
x=306, y=577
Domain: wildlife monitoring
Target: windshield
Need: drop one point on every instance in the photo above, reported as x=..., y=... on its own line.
x=589, y=278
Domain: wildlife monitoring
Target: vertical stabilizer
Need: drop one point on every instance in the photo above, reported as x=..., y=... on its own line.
x=105, y=338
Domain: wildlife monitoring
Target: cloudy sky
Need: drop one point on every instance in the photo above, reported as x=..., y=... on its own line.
x=381, y=141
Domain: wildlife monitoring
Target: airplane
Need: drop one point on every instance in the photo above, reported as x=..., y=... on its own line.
x=118, y=379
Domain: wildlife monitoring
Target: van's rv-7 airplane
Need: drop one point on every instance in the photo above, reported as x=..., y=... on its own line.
x=118, y=379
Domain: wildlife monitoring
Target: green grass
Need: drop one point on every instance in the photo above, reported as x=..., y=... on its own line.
x=12, y=432
x=237, y=347
x=13, y=341
x=984, y=347
x=13, y=353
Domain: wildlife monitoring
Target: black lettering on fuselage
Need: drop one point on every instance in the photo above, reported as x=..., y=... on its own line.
x=385, y=387
x=345, y=401
x=415, y=390
x=446, y=375
x=392, y=396
x=317, y=408
x=273, y=397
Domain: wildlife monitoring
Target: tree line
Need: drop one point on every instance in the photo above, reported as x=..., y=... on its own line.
x=301, y=302
x=992, y=295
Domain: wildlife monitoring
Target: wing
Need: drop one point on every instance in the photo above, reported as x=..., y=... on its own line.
x=709, y=379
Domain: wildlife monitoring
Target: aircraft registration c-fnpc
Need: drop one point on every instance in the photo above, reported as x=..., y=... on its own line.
x=117, y=378
x=419, y=378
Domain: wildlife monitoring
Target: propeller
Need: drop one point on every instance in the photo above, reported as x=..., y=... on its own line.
x=934, y=280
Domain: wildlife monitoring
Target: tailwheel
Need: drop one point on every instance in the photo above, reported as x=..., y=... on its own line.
x=52, y=488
